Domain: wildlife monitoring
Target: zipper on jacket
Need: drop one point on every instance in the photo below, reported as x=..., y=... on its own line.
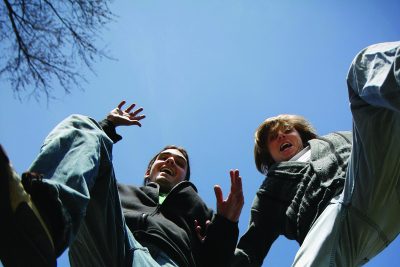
x=157, y=210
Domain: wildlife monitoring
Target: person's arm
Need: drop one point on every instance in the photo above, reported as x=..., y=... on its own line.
x=222, y=232
x=109, y=128
x=119, y=117
x=266, y=224
x=219, y=242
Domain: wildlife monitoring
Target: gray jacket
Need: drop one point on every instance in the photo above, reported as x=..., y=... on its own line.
x=293, y=195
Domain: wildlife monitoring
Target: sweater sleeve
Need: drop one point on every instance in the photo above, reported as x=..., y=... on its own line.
x=109, y=128
x=266, y=224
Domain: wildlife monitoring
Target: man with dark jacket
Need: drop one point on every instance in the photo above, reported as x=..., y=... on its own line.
x=70, y=198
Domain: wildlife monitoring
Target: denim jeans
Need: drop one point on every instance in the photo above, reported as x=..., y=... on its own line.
x=76, y=161
x=365, y=218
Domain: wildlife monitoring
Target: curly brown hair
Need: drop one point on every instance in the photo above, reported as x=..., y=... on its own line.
x=271, y=126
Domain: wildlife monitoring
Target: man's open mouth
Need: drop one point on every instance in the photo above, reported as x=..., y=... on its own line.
x=167, y=171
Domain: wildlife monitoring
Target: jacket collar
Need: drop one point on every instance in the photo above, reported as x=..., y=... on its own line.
x=152, y=189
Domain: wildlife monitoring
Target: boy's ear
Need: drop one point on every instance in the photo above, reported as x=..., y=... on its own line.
x=146, y=177
x=147, y=174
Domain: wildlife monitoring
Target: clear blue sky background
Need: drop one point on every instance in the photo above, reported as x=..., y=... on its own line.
x=207, y=73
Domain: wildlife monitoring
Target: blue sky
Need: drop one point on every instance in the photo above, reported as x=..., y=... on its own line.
x=207, y=74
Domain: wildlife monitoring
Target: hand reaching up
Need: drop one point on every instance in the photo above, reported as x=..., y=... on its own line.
x=125, y=117
x=231, y=207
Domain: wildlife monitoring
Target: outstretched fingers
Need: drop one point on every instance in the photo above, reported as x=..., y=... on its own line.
x=218, y=194
x=121, y=104
x=231, y=207
x=134, y=114
x=120, y=116
x=128, y=110
x=236, y=182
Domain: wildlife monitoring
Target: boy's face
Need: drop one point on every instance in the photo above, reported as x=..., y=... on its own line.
x=168, y=169
x=284, y=143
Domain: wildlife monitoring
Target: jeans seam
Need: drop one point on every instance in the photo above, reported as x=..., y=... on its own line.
x=342, y=214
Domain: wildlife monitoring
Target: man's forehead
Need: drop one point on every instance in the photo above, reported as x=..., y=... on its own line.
x=173, y=151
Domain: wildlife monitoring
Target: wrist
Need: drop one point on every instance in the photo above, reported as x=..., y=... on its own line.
x=111, y=119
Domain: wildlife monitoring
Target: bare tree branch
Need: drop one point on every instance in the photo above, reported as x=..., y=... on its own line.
x=42, y=42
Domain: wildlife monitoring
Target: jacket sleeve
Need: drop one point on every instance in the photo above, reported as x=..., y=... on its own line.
x=109, y=128
x=220, y=242
x=266, y=224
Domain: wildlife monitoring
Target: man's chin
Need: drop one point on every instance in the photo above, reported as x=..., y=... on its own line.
x=165, y=184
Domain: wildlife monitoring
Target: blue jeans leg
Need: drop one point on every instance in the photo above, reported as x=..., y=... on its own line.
x=76, y=161
x=142, y=257
x=362, y=221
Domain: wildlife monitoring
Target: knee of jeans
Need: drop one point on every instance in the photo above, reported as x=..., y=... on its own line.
x=82, y=125
x=82, y=121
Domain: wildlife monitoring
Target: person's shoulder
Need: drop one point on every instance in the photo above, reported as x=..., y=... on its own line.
x=126, y=190
x=345, y=136
x=337, y=139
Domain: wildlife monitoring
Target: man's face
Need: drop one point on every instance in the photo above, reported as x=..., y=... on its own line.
x=284, y=144
x=168, y=169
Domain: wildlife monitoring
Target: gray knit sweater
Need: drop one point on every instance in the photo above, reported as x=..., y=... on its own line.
x=293, y=195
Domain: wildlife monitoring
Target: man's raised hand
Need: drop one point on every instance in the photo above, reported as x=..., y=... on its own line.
x=231, y=207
